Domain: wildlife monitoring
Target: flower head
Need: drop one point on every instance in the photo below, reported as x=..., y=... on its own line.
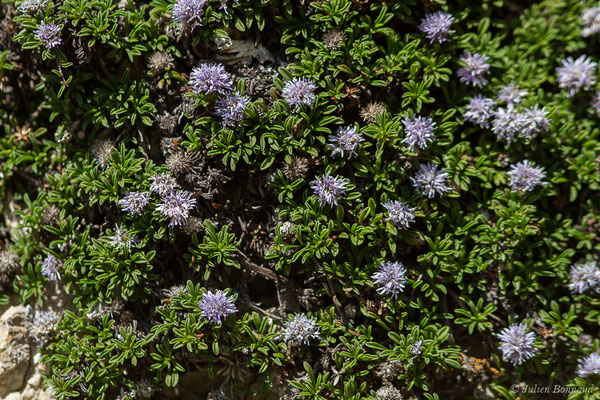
x=134, y=202
x=517, y=344
x=511, y=94
x=589, y=365
x=210, y=78
x=49, y=267
x=415, y=348
x=369, y=112
x=177, y=206
x=345, y=142
x=575, y=75
x=534, y=120
x=436, y=26
x=430, y=182
x=400, y=213
x=300, y=330
x=188, y=13
x=479, y=110
x=121, y=239
x=391, y=277
x=217, y=306
x=32, y=6
x=163, y=184
x=329, y=189
x=419, y=132
x=524, y=176
x=507, y=123
x=43, y=324
x=332, y=39
x=160, y=61
x=585, y=277
x=231, y=107
x=591, y=21
x=298, y=92
x=48, y=34
x=476, y=67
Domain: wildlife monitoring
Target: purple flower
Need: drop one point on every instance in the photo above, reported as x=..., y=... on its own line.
x=298, y=92
x=32, y=6
x=534, y=120
x=210, y=78
x=596, y=103
x=391, y=278
x=163, y=184
x=591, y=21
x=134, y=202
x=476, y=67
x=329, y=188
x=575, y=75
x=479, y=110
x=517, y=344
x=49, y=267
x=300, y=330
x=121, y=239
x=48, y=34
x=345, y=142
x=188, y=13
x=224, y=2
x=231, y=108
x=511, y=94
x=415, y=349
x=585, y=277
x=430, y=182
x=419, y=132
x=589, y=365
x=507, y=123
x=216, y=306
x=400, y=213
x=177, y=206
x=524, y=176
x=436, y=26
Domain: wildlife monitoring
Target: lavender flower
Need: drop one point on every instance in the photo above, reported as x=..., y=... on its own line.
x=596, y=103
x=210, y=78
x=589, y=365
x=591, y=21
x=534, y=120
x=177, y=206
x=575, y=75
x=329, y=188
x=163, y=184
x=32, y=6
x=49, y=267
x=507, y=123
x=511, y=94
x=415, y=348
x=479, y=110
x=585, y=277
x=223, y=4
x=419, y=132
x=429, y=181
x=188, y=13
x=231, y=108
x=216, y=306
x=48, y=34
x=472, y=73
x=300, y=330
x=391, y=278
x=400, y=213
x=121, y=239
x=298, y=92
x=345, y=142
x=436, y=26
x=517, y=344
x=524, y=176
x=134, y=202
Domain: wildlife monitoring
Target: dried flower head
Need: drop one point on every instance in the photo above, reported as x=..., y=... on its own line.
x=479, y=110
x=163, y=184
x=49, y=267
x=517, y=345
x=419, y=132
x=32, y=6
x=591, y=21
x=48, y=34
x=193, y=225
x=102, y=150
x=300, y=330
x=329, y=189
x=345, y=142
x=181, y=162
x=430, y=182
x=134, y=202
x=332, y=39
x=298, y=92
x=575, y=75
x=524, y=176
x=188, y=13
x=9, y=264
x=388, y=392
x=436, y=26
x=400, y=213
x=121, y=239
x=160, y=61
x=585, y=277
x=511, y=94
x=216, y=306
x=231, y=108
x=297, y=168
x=370, y=111
x=210, y=78
x=177, y=206
x=50, y=215
x=391, y=277
x=589, y=365
x=475, y=69
x=43, y=324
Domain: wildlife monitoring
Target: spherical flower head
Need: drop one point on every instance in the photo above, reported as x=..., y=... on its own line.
x=333, y=39
x=419, y=132
x=134, y=202
x=370, y=112
x=32, y=6
x=177, y=206
x=391, y=277
x=480, y=110
x=298, y=92
x=511, y=94
x=188, y=13
x=231, y=107
x=436, y=26
x=48, y=34
x=517, y=345
x=524, y=176
x=430, y=182
x=163, y=184
x=575, y=75
x=345, y=142
x=300, y=330
x=591, y=21
x=507, y=123
x=585, y=277
x=589, y=365
x=476, y=67
x=400, y=213
x=216, y=306
x=43, y=324
x=415, y=348
x=121, y=239
x=49, y=267
x=329, y=189
x=210, y=78
x=534, y=120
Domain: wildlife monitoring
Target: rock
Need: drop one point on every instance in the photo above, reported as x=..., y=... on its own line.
x=15, y=352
